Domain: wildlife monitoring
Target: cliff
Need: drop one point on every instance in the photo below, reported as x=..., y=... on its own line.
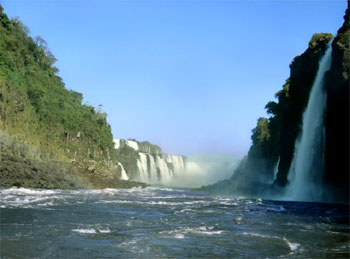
x=337, y=114
x=274, y=138
x=48, y=138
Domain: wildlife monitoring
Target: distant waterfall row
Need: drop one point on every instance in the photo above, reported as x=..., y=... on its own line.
x=152, y=166
x=159, y=169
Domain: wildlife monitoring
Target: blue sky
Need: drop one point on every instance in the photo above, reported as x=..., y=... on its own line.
x=191, y=76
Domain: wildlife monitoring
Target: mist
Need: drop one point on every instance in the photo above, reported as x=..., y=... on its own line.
x=204, y=170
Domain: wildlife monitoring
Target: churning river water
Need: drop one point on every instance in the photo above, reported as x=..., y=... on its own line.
x=158, y=223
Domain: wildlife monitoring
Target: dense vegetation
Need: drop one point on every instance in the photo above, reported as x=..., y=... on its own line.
x=40, y=120
x=35, y=104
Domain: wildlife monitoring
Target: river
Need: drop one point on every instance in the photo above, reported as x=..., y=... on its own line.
x=162, y=223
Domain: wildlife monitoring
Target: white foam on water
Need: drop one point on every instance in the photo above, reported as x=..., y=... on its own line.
x=106, y=191
x=179, y=236
x=158, y=188
x=292, y=246
x=25, y=191
x=27, y=198
x=85, y=231
x=91, y=231
x=163, y=203
x=253, y=234
x=238, y=220
x=203, y=230
x=184, y=211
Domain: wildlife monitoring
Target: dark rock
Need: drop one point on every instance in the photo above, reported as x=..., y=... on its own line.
x=337, y=114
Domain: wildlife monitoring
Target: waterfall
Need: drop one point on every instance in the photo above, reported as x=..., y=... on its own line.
x=152, y=166
x=165, y=171
x=152, y=170
x=119, y=143
x=145, y=162
x=306, y=171
x=123, y=176
x=275, y=170
x=159, y=169
x=142, y=168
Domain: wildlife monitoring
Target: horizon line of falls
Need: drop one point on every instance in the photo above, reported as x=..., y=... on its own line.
x=152, y=166
x=145, y=162
x=159, y=169
x=307, y=168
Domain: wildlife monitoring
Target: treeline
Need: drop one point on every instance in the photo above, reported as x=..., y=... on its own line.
x=36, y=107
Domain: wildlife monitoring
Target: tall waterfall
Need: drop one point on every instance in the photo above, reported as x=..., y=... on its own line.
x=307, y=167
x=275, y=170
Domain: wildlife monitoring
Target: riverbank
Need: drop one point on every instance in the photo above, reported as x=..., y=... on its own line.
x=23, y=165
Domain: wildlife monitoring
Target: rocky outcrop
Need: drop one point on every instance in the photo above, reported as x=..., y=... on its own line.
x=22, y=165
x=144, y=146
x=337, y=113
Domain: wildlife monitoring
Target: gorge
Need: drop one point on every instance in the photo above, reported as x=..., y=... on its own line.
x=44, y=125
x=73, y=186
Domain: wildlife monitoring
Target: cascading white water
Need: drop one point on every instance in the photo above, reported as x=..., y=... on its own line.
x=123, y=176
x=157, y=168
x=307, y=167
x=275, y=170
x=153, y=169
x=166, y=173
x=142, y=168
x=167, y=165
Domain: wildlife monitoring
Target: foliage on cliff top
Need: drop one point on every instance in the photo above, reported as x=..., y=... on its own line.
x=275, y=137
x=36, y=106
x=319, y=37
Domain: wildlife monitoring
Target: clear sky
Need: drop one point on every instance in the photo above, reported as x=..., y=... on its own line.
x=192, y=76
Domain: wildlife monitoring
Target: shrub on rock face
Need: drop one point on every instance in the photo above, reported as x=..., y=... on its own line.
x=319, y=38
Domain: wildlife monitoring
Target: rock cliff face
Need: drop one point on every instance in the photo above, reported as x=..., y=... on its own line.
x=274, y=138
x=146, y=163
x=302, y=75
x=337, y=114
